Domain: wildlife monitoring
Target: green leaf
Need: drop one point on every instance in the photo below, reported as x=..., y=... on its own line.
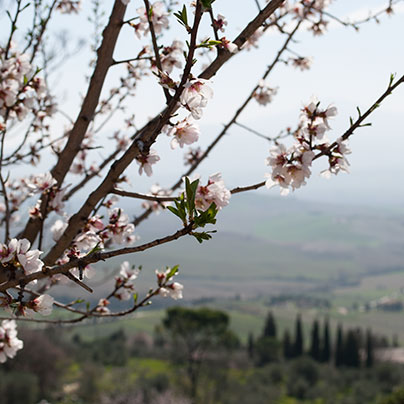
x=176, y=212
x=190, y=189
x=202, y=236
x=173, y=271
x=182, y=18
x=135, y=296
x=206, y=217
x=207, y=4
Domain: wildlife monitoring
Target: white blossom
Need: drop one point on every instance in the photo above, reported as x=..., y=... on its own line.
x=9, y=343
x=184, y=132
x=215, y=191
x=195, y=96
x=146, y=161
x=158, y=15
x=19, y=250
x=42, y=304
x=173, y=290
x=264, y=94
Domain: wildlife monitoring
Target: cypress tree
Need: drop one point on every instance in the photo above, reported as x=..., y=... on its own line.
x=315, y=341
x=339, y=348
x=351, y=350
x=326, y=346
x=250, y=345
x=298, y=345
x=270, y=326
x=369, y=349
x=287, y=345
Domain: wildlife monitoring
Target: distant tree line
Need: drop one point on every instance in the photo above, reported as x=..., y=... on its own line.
x=351, y=348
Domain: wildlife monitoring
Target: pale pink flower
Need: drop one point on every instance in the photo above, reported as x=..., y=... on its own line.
x=290, y=167
x=69, y=6
x=252, y=41
x=9, y=343
x=195, y=96
x=146, y=161
x=40, y=182
x=264, y=94
x=158, y=17
x=220, y=22
x=214, y=191
x=230, y=46
x=102, y=306
x=58, y=229
x=128, y=272
x=173, y=290
x=42, y=304
x=156, y=206
x=303, y=63
x=29, y=260
x=184, y=132
x=172, y=56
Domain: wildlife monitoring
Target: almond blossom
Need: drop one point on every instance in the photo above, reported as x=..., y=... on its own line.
x=192, y=155
x=172, y=56
x=173, y=290
x=158, y=14
x=184, y=132
x=68, y=6
x=226, y=44
x=195, y=96
x=146, y=161
x=264, y=94
x=292, y=166
x=252, y=41
x=156, y=206
x=21, y=91
x=18, y=251
x=213, y=192
x=40, y=183
x=102, y=306
x=124, y=282
x=9, y=343
x=288, y=171
x=119, y=230
x=219, y=22
x=337, y=159
x=303, y=63
x=42, y=304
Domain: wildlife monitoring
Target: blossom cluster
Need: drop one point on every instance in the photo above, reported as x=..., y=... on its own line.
x=172, y=56
x=156, y=206
x=146, y=161
x=17, y=254
x=264, y=94
x=292, y=166
x=9, y=343
x=124, y=287
x=158, y=16
x=214, y=191
x=42, y=304
x=166, y=289
x=195, y=96
x=184, y=132
x=68, y=6
x=302, y=63
x=21, y=90
x=117, y=230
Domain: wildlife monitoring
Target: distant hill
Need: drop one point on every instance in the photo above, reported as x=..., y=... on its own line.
x=272, y=245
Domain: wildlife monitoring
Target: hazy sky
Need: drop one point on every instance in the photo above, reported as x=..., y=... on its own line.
x=350, y=69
